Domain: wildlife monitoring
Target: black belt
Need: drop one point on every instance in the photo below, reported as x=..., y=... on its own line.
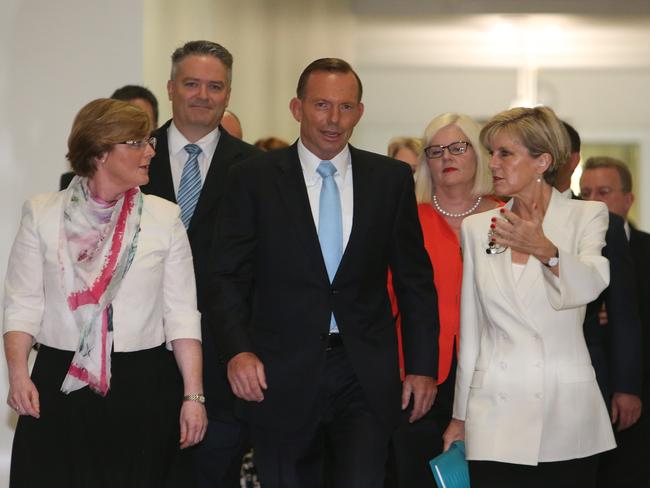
x=333, y=341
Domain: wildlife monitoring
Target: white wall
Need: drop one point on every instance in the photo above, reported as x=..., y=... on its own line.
x=55, y=57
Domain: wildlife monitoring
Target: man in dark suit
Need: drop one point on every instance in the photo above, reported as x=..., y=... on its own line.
x=609, y=180
x=306, y=235
x=199, y=90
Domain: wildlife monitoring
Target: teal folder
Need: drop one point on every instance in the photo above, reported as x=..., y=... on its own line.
x=450, y=468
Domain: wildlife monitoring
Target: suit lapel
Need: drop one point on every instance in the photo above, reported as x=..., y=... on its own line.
x=214, y=179
x=293, y=193
x=160, y=173
x=362, y=173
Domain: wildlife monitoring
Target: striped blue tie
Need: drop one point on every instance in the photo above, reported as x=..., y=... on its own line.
x=190, y=187
x=330, y=224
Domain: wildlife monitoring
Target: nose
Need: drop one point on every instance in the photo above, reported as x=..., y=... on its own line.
x=149, y=151
x=203, y=91
x=334, y=115
x=492, y=163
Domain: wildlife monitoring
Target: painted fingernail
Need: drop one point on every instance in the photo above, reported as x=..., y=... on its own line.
x=494, y=219
x=492, y=226
x=502, y=210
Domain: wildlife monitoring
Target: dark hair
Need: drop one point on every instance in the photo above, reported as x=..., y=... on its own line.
x=270, y=143
x=202, y=48
x=131, y=92
x=331, y=65
x=574, y=137
x=621, y=168
x=98, y=126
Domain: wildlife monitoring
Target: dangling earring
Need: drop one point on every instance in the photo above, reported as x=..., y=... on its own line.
x=539, y=179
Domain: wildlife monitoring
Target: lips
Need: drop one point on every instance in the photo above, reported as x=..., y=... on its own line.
x=330, y=135
x=449, y=170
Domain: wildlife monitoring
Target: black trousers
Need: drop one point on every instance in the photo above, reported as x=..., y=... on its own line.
x=412, y=446
x=574, y=473
x=628, y=466
x=82, y=439
x=345, y=446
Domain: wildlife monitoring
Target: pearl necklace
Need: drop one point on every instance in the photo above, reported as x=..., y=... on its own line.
x=456, y=215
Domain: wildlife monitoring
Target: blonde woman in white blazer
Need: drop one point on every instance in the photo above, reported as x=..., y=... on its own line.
x=101, y=277
x=526, y=401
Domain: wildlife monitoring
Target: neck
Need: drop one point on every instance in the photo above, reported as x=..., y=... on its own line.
x=193, y=134
x=455, y=196
x=523, y=203
x=104, y=191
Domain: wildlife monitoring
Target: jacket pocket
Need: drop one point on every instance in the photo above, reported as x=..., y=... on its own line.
x=576, y=373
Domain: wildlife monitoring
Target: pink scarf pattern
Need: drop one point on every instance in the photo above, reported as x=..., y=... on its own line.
x=97, y=244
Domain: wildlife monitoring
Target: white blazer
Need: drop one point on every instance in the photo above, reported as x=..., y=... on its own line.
x=525, y=386
x=156, y=301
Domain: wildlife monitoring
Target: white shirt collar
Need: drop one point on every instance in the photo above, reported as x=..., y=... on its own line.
x=177, y=142
x=309, y=162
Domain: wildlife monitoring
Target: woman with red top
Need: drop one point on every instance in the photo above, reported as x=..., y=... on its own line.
x=452, y=182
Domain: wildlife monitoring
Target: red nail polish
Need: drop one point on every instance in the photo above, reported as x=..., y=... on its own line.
x=492, y=226
x=502, y=210
x=494, y=219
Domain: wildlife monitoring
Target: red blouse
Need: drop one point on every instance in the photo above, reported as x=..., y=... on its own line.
x=446, y=258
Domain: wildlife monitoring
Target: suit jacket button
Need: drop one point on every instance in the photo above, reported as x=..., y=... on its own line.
x=335, y=291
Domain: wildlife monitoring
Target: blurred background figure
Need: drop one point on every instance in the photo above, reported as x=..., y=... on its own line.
x=453, y=181
x=609, y=180
x=270, y=143
x=231, y=123
x=407, y=149
x=100, y=276
x=140, y=97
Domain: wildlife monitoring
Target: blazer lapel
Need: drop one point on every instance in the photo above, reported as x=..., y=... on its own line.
x=160, y=173
x=293, y=193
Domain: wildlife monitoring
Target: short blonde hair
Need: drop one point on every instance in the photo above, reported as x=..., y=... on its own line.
x=412, y=143
x=98, y=126
x=538, y=129
x=482, y=178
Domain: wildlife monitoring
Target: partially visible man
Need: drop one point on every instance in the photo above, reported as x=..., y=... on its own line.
x=609, y=180
x=192, y=159
x=136, y=95
x=231, y=123
x=140, y=97
x=305, y=237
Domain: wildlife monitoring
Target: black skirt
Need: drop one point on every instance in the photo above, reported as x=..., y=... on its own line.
x=126, y=439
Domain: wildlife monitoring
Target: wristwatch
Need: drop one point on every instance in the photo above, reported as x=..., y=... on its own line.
x=554, y=261
x=195, y=397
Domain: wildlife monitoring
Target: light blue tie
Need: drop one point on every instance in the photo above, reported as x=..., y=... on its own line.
x=330, y=224
x=190, y=187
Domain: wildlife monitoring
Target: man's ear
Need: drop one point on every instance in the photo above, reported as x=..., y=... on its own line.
x=295, y=105
x=170, y=89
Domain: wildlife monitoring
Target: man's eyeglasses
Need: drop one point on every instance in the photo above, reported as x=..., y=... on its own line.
x=141, y=144
x=437, y=150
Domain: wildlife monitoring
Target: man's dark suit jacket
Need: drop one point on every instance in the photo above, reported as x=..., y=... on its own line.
x=640, y=246
x=273, y=297
x=615, y=348
x=229, y=151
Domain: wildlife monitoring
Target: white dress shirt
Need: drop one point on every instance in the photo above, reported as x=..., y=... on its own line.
x=343, y=178
x=178, y=156
x=156, y=301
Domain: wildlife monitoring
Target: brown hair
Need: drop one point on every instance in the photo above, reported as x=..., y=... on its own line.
x=624, y=174
x=270, y=143
x=538, y=129
x=331, y=65
x=98, y=126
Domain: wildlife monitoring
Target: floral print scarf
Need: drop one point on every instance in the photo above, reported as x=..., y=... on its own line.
x=97, y=243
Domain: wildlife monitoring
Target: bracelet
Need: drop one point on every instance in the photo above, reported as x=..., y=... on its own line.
x=195, y=397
